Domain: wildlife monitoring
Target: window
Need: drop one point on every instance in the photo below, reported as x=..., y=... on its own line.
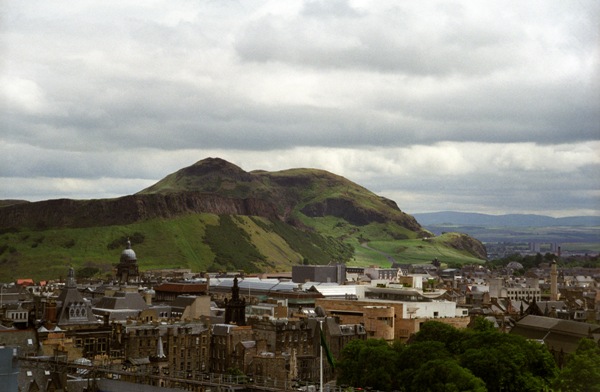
x=102, y=345
x=89, y=345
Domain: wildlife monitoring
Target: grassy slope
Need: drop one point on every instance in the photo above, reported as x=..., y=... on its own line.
x=409, y=250
x=167, y=243
x=275, y=249
x=181, y=242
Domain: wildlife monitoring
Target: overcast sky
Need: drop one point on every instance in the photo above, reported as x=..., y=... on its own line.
x=476, y=106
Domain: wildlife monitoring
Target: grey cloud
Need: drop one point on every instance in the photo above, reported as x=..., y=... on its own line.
x=501, y=193
x=329, y=8
x=385, y=41
x=98, y=83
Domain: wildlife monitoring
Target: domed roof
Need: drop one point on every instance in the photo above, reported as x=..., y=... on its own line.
x=128, y=254
x=514, y=265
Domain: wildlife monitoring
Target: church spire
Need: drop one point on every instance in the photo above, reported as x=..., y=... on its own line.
x=235, y=309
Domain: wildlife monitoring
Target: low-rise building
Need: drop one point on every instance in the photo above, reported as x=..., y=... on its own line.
x=393, y=320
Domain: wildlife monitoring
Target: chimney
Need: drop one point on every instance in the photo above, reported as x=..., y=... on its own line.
x=553, y=282
x=148, y=297
x=51, y=311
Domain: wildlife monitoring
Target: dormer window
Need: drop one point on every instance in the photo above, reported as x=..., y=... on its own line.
x=78, y=312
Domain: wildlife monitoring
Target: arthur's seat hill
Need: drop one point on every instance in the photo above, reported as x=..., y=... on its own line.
x=214, y=216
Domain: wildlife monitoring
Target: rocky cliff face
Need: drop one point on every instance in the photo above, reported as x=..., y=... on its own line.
x=128, y=209
x=467, y=243
x=356, y=215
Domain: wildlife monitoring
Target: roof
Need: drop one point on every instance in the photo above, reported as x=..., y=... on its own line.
x=139, y=361
x=25, y=282
x=222, y=329
x=248, y=344
x=331, y=289
x=68, y=297
x=173, y=287
x=253, y=285
x=183, y=301
x=122, y=301
x=557, y=334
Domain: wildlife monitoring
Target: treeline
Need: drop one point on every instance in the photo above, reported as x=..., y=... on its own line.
x=534, y=261
x=443, y=358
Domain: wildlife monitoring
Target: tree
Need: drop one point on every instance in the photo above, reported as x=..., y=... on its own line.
x=443, y=358
x=369, y=363
x=507, y=362
x=482, y=324
x=582, y=370
x=440, y=332
x=441, y=375
x=413, y=356
x=87, y=272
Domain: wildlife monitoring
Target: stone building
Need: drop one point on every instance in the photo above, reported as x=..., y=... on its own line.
x=72, y=308
x=70, y=327
x=319, y=273
x=223, y=340
x=162, y=353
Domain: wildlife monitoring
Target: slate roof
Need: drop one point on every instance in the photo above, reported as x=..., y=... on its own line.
x=182, y=301
x=123, y=301
x=71, y=296
x=172, y=287
x=557, y=334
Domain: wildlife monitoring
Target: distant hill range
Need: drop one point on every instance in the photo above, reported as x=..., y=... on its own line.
x=509, y=220
x=215, y=216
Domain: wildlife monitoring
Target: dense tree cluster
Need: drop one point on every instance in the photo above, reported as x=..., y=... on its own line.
x=534, y=261
x=582, y=370
x=443, y=358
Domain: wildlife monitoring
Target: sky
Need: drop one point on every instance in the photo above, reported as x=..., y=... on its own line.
x=490, y=107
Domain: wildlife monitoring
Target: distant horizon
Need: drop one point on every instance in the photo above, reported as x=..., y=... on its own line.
x=504, y=214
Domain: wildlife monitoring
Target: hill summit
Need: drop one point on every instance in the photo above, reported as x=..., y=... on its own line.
x=293, y=193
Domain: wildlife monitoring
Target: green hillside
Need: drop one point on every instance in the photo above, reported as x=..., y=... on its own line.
x=201, y=242
x=213, y=216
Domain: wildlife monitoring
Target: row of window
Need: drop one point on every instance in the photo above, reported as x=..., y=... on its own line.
x=17, y=315
x=77, y=312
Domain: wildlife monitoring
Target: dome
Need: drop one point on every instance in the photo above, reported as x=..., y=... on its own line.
x=514, y=265
x=128, y=254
